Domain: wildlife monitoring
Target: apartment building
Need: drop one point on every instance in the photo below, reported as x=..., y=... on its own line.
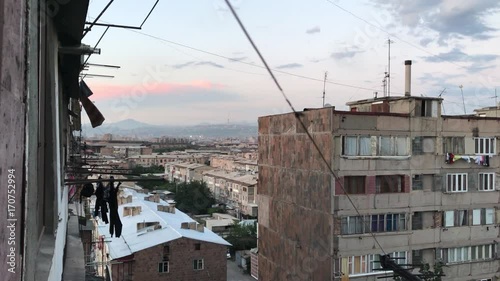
x=162, y=159
x=424, y=184
x=236, y=189
x=158, y=242
x=185, y=171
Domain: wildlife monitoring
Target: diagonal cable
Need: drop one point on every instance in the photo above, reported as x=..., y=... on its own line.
x=298, y=118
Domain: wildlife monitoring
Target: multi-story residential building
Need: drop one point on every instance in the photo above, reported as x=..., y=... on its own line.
x=41, y=55
x=235, y=189
x=425, y=185
x=162, y=159
x=185, y=171
x=158, y=242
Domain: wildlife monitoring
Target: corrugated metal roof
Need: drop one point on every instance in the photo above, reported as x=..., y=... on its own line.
x=132, y=241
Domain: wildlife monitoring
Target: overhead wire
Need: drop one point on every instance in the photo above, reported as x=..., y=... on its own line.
x=296, y=114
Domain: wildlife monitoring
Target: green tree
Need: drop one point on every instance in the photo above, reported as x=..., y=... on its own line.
x=427, y=274
x=194, y=198
x=242, y=237
x=153, y=169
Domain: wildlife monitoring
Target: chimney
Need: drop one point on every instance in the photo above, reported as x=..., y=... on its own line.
x=408, y=78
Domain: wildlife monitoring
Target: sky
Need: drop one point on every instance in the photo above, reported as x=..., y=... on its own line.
x=191, y=63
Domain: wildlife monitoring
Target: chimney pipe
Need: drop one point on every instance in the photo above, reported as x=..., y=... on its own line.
x=408, y=78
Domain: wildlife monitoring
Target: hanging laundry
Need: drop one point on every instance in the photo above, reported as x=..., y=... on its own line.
x=100, y=208
x=486, y=161
x=478, y=159
x=466, y=158
x=115, y=226
x=87, y=191
x=456, y=157
x=449, y=158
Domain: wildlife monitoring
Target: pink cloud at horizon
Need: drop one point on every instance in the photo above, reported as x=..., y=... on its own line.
x=108, y=91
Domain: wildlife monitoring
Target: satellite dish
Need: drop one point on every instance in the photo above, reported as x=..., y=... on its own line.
x=328, y=105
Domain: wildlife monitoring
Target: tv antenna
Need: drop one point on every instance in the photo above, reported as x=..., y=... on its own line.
x=442, y=103
x=324, y=87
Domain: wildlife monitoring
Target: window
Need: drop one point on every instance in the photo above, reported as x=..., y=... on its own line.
x=484, y=145
x=426, y=108
x=393, y=146
x=166, y=252
x=417, y=146
x=416, y=257
x=483, y=216
x=388, y=222
x=455, y=145
x=357, y=145
x=354, y=184
x=468, y=253
x=456, y=218
x=163, y=267
x=197, y=246
x=198, y=264
x=486, y=182
x=456, y=182
x=416, y=183
x=369, y=264
x=353, y=225
x=389, y=184
x=416, y=221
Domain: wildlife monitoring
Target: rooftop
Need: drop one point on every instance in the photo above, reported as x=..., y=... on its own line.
x=132, y=240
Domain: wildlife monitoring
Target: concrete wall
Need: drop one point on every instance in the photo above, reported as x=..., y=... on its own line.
x=294, y=203
x=12, y=110
x=182, y=254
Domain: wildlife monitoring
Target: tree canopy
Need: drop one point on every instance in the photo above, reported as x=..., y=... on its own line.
x=242, y=237
x=194, y=198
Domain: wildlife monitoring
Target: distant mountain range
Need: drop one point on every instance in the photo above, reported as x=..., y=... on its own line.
x=131, y=127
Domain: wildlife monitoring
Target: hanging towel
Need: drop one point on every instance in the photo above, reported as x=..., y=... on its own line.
x=456, y=157
x=477, y=160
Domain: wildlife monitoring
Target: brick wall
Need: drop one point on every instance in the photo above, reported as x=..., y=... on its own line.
x=294, y=193
x=182, y=255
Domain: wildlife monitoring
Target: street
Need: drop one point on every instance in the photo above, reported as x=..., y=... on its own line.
x=235, y=273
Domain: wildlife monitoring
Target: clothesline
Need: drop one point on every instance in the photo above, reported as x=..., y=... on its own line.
x=481, y=160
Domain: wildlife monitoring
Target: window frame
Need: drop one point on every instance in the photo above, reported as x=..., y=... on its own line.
x=161, y=267
x=484, y=145
x=455, y=179
x=455, y=146
x=196, y=264
x=393, y=143
x=390, y=188
x=417, y=182
x=358, y=145
x=348, y=183
x=489, y=180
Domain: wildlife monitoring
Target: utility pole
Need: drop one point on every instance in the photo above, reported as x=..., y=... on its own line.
x=389, y=42
x=324, y=87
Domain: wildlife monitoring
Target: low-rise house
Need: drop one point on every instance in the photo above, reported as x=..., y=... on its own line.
x=159, y=242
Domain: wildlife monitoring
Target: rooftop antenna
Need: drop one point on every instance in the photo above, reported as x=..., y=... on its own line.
x=389, y=42
x=463, y=100
x=324, y=87
x=442, y=103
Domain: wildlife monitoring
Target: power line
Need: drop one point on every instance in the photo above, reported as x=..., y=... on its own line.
x=296, y=114
x=254, y=65
x=393, y=35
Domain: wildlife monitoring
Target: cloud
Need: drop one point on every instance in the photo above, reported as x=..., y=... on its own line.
x=289, y=65
x=449, y=18
x=478, y=62
x=110, y=91
x=182, y=65
x=235, y=59
x=425, y=41
x=313, y=30
x=209, y=63
x=349, y=52
x=194, y=63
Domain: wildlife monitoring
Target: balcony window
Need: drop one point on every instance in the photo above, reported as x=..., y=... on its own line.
x=483, y=216
x=455, y=145
x=354, y=184
x=486, y=182
x=357, y=145
x=390, y=184
x=484, y=145
x=456, y=182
